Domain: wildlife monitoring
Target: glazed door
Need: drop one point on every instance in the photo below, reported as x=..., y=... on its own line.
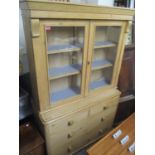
x=103, y=55
x=66, y=50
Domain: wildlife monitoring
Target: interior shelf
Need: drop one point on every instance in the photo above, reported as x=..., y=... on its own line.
x=64, y=94
x=97, y=84
x=59, y=72
x=98, y=64
x=53, y=49
x=104, y=44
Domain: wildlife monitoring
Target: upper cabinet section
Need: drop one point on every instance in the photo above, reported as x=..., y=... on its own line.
x=74, y=50
x=47, y=9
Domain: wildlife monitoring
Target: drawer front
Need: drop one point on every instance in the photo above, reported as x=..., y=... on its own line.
x=101, y=123
x=68, y=123
x=101, y=106
x=62, y=134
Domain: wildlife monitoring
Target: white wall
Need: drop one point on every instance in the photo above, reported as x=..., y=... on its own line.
x=22, y=46
x=21, y=32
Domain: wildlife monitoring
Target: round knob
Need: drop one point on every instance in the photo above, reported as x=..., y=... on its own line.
x=102, y=119
x=88, y=62
x=70, y=123
x=69, y=148
x=104, y=108
x=69, y=135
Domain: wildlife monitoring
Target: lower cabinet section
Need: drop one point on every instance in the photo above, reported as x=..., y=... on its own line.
x=68, y=134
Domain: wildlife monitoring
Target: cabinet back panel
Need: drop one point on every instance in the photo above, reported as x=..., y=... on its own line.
x=107, y=53
x=64, y=59
x=114, y=33
x=111, y=54
x=64, y=83
x=99, y=54
x=101, y=34
x=65, y=35
x=104, y=74
x=104, y=33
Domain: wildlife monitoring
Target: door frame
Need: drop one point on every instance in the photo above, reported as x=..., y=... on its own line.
x=65, y=23
x=115, y=74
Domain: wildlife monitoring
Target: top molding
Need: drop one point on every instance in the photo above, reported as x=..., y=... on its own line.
x=47, y=9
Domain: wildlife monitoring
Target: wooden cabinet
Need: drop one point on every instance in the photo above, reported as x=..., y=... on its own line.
x=75, y=54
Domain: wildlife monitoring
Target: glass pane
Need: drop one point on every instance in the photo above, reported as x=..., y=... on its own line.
x=66, y=87
x=104, y=55
x=65, y=56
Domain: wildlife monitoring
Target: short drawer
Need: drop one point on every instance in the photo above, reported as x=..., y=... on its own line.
x=101, y=106
x=69, y=123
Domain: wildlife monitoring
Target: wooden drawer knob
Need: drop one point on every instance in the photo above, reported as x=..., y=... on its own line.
x=102, y=119
x=70, y=123
x=69, y=135
x=88, y=63
x=69, y=149
x=105, y=108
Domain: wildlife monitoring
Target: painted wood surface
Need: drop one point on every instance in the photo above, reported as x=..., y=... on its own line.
x=64, y=71
x=63, y=48
x=63, y=94
x=98, y=84
x=104, y=44
x=98, y=64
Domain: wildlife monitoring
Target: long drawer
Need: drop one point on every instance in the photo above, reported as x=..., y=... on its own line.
x=101, y=123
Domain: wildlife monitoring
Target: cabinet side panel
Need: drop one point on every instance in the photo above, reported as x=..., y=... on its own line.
x=40, y=59
x=124, y=34
x=37, y=62
x=27, y=30
x=119, y=55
